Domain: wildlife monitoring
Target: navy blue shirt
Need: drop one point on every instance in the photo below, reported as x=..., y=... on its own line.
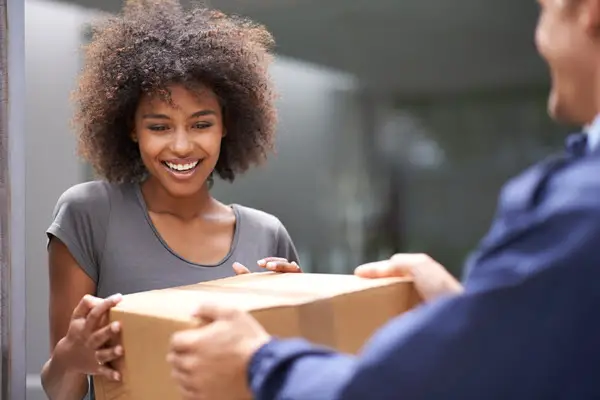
x=526, y=327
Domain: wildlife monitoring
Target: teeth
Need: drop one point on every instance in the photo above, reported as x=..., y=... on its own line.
x=182, y=167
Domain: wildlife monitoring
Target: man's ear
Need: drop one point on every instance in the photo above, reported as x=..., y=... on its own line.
x=595, y=15
x=589, y=15
x=133, y=136
x=224, y=132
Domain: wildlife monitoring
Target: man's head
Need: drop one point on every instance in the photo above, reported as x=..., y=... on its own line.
x=568, y=38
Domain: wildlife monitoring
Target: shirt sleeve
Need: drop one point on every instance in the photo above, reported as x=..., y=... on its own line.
x=276, y=368
x=80, y=221
x=528, y=316
x=285, y=245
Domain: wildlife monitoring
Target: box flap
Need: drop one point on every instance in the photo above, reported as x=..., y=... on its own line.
x=249, y=292
x=179, y=304
x=323, y=285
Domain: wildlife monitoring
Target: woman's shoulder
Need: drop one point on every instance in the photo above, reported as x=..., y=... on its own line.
x=260, y=224
x=257, y=219
x=85, y=192
x=92, y=196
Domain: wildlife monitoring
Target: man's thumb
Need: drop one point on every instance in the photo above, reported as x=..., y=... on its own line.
x=210, y=312
x=381, y=269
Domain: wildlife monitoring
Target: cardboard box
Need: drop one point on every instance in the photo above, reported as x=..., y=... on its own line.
x=340, y=311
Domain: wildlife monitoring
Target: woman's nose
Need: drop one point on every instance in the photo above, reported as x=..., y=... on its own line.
x=182, y=145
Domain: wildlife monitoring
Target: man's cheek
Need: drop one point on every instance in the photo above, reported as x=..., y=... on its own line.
x=543, y=40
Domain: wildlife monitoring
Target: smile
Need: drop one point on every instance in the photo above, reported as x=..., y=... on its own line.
x=181, y=168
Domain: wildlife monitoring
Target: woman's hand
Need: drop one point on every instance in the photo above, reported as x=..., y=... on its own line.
x=275, y=264
x=431, y=279
x=87, y=348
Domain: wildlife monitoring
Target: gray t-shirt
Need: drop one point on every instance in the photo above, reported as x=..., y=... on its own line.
x=108, y=230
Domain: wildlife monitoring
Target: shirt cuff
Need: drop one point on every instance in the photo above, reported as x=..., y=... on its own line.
x=272, y=356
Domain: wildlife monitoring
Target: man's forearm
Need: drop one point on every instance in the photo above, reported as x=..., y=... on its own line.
x=297, y=370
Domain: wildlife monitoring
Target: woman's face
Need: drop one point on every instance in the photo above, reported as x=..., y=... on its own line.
x=180, y=142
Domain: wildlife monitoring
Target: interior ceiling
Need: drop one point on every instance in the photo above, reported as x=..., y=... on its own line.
x=407, y=46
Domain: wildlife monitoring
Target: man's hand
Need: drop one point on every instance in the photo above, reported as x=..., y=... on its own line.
x=211, y=362
x=431, y=279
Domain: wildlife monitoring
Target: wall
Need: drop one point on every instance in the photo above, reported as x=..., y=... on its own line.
x=51, y=45
x=12, y=195
x=473, y=143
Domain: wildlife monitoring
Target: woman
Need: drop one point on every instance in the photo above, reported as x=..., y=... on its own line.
x=166, y=99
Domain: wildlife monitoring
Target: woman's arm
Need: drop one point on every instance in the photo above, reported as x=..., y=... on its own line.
x=78, y=320
x=68, y=285
x=75, y=316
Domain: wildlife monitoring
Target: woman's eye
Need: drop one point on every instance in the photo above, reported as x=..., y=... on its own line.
x=202, y=125
x=157, y=128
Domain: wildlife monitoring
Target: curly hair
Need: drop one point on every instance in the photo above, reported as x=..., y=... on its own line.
x=155, y=43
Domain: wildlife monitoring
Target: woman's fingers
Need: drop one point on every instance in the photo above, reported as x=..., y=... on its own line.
x=282, y=266
x=104, y=356
x=103, y=335
x=275, y=264
x=240, y=269
x=92, y=321
x=85, y=305
x=263, y=263
x=108, y=373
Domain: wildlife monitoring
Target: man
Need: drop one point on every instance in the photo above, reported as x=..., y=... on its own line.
x=526, y=325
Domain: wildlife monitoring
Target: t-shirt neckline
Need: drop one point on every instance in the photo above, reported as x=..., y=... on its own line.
x=234, y=242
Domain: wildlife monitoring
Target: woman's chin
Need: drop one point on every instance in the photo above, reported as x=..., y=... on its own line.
x=183, y=188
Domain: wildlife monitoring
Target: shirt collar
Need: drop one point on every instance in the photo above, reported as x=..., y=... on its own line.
x=593, y=133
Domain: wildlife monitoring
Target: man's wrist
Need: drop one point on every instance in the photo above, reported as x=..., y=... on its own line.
x=257, y=358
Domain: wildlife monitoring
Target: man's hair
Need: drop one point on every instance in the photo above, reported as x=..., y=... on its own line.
x=153, y=44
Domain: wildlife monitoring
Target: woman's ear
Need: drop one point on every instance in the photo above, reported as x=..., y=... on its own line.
x=131, y=127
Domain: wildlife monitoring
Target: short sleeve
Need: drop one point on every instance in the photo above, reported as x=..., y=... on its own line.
x=285, y=245
x=80, y=221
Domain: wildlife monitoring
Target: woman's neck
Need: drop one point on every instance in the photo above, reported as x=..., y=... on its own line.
x=159, y=201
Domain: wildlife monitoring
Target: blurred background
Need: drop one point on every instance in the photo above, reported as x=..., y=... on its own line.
x=400, y=121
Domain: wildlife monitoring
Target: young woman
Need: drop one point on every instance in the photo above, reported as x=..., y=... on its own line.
x=166, y=99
